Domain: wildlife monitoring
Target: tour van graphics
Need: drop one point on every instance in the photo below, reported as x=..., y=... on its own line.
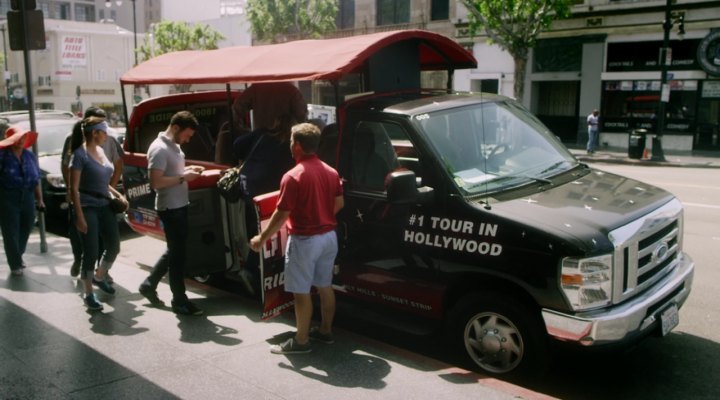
x=461, y=209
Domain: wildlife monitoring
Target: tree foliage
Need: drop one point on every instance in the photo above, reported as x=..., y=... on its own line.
x=168, y=36
x=275, y=20
x=514, y=25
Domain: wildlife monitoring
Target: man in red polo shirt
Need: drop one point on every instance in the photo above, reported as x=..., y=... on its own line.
x=310, y=196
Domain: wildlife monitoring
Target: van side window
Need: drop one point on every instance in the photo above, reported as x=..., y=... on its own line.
x=380, y=148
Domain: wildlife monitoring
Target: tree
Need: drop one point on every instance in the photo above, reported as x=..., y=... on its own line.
x=514, y=25
x=275, y=20
x=168, y=36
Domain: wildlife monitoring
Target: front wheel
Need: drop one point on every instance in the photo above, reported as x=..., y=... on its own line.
x=206, y=279
x=499, y=334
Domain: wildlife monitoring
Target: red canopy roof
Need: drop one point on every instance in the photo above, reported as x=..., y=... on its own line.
x=327, y=59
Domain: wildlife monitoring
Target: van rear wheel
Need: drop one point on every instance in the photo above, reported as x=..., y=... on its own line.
x=498, y=334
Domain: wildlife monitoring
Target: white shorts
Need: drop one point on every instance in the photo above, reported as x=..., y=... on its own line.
x=309, y=261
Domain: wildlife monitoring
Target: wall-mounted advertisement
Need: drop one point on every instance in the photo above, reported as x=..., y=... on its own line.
x=73, y=51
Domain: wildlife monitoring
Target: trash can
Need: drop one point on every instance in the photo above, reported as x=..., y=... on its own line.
x=636, y=143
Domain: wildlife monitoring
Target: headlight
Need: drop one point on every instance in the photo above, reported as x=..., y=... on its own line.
x=56, y=181
x=587, y=282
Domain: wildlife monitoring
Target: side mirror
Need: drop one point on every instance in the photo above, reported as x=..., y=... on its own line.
x=403, y=189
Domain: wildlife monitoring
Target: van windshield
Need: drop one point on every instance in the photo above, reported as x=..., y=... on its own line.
x=489, y=147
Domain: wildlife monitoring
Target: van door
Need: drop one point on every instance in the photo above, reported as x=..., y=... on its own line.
x=208, y=249
x=376, y=263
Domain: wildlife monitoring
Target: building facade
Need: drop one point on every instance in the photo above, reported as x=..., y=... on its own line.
x=90, y=44
x=604, y=56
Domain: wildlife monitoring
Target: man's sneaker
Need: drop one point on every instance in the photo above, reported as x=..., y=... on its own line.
x=75, y=269
x=92, y=302
x=109, y=279
x=186, y=308
x=103, y=285
x=291, y=346
x=17, y=272
x=326, y=338
x=150, y=294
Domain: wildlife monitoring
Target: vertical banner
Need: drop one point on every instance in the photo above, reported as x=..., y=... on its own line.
x=73, y=51
x=272, y=261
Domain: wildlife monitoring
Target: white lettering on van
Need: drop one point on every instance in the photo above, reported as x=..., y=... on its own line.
x=453, y=243
x=138, y=191
x=271, y=282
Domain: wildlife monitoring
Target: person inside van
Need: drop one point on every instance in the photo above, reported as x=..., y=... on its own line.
x=268, y=101
x=265, y=156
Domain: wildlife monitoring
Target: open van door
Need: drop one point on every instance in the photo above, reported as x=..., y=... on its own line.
x=272, y=260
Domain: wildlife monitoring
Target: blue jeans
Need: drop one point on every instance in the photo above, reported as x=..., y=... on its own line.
x=101, y=223
x=175, y=225
x=592, y=139
x=76, y=242
x=17, y=217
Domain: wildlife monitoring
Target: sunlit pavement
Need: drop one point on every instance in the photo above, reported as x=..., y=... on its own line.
x=52, y=347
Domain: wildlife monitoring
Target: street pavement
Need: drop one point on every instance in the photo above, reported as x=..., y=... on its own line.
x=51, y=347
x=707, y=159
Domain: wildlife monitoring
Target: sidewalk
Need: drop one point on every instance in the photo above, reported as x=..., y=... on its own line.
x=695, y=160
x=52, y=348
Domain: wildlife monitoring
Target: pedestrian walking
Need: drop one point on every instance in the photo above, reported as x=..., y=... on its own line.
x=20, y=192
x=592, y=123
x=90, y=174
x=310, y=196
x=169, y=178
x=113, y=151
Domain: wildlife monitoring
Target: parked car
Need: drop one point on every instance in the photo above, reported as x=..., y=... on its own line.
x=52, y=127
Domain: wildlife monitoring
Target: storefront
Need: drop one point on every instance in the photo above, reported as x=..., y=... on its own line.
x=631, y=95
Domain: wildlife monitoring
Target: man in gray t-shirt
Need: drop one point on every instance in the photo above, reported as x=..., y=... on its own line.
x=168, y=177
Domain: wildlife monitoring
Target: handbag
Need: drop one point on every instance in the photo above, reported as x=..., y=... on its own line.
x=117, y=205
x=230, y=185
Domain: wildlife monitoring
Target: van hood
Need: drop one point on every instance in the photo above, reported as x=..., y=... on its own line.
x=587, y=209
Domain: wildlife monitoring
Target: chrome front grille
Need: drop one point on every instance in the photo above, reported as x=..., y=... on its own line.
x=646, y=250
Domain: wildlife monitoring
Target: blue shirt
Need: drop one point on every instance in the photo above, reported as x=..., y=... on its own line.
x=23, y=173
x=94, y=177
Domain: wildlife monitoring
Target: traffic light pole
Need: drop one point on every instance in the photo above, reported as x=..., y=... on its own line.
x=657, y=150
x=31, y=110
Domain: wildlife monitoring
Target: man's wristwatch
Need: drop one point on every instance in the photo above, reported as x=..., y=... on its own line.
x=182, y=179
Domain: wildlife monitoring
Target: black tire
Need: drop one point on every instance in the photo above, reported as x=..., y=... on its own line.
x=499, y=335
x=206, y=279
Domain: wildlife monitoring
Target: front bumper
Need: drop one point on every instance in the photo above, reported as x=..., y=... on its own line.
x=629, y=319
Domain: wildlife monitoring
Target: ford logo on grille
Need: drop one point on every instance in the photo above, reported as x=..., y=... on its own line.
x=661, y=252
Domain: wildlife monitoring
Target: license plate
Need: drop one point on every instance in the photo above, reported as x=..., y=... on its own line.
x=669, y=319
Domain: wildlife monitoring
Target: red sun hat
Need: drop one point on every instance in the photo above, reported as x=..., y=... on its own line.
x=14, y=134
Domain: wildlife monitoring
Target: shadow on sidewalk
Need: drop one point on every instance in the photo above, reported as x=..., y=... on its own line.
x=40, y=361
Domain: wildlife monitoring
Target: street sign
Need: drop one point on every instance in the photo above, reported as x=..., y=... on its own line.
x=35, y=30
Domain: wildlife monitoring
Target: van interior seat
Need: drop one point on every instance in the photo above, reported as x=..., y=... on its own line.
x=328, y=144
x=373, y=157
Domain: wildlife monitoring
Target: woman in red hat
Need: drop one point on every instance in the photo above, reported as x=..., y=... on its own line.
x=19, y=193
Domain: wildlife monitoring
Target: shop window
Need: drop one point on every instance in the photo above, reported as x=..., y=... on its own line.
x=393, y=12
x=346, y=14
x=634, y=105
x=439, y=10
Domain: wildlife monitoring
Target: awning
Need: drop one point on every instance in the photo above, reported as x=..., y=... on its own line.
x=327, y=59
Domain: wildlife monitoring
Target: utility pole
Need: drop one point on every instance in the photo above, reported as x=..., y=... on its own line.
x=665, y=61
x=7, y=73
